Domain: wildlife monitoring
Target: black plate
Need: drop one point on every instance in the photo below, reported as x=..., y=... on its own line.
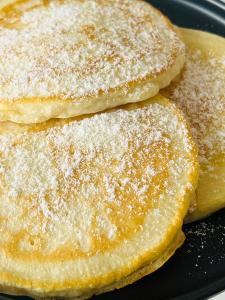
x=197, y=270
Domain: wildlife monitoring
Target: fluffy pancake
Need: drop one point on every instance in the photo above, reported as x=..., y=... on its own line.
x=66, y=58
x=93, y=203
x=200, y=93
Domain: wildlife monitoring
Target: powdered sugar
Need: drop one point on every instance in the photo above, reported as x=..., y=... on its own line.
x=200, y=93
x=205, y=245
x=83, y=178
x=73, y=49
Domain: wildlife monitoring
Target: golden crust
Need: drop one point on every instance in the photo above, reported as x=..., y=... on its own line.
x=145, y=270
x=148, y=143
x=123, y=56
x=149, y=268
x=200, y=93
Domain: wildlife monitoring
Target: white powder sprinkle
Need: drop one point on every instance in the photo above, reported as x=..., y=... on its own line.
x=200, y=93
x=74, y=179
x=73, y=49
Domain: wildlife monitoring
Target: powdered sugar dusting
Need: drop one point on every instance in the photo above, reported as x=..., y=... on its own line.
x=82, y=180
x=205, y=245
x=200, y=93
x=73, y=48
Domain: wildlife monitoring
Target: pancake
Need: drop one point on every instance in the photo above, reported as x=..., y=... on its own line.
x=67, y=58
x=200, y=93
x=6, y=2
x=93, y=203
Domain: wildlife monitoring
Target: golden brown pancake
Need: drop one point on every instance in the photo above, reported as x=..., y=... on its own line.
x=66, y=58
x=93, y=203
x=200, y=93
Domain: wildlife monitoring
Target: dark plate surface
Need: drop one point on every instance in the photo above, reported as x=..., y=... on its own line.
x=197, y=270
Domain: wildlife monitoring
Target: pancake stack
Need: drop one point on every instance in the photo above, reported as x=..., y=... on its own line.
x=98, y=169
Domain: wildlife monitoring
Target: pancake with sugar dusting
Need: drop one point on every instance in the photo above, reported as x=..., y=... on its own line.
x=93, y=203
x=200, y=93
x=66, y=58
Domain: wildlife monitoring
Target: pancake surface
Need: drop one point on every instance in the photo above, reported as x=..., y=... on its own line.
x=200, y=93
x=65, y=58
x=93, y=203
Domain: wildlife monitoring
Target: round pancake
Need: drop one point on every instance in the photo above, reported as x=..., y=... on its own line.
x=67, y=58
x=87, y=202
x=200, y=93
